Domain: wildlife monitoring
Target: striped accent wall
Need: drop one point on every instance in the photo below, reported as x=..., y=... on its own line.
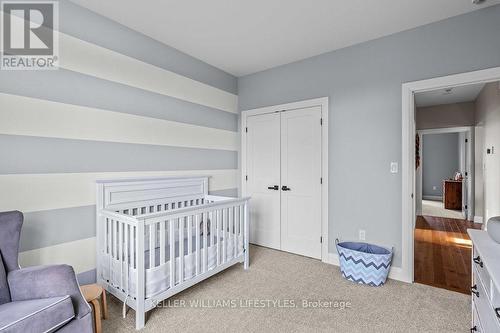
x=121, y=105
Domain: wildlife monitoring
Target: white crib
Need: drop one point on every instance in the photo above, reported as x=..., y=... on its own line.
x=157, y=237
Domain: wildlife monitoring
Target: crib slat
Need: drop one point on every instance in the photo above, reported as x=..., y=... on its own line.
x=127, y=227
x=108, y=235
x=217, y=226
x=172, y=253
x=162, y=242
x=181, y=249
x=232, y=230
x=197, y=251
x=190, y=234
x=212, y=235
x=152, y=250
x=205, y=247
x=224, y=235
x=120, y=252
x=115, y=243
x=134, y=246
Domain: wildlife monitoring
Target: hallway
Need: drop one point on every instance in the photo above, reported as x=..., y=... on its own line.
x=443, y=253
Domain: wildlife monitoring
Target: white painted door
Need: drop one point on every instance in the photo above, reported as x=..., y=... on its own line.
x=300, y=180
x=263, y=172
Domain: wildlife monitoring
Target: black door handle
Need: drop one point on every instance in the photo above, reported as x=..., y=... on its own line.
x=473, y=290
x=497, y=311
x=478, y=261
x=275, y=187
x=474, y=329
x=285, y=188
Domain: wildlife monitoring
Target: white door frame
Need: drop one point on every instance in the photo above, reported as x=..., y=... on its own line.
x=408, y=146
x=469, y=167
x=323, y=103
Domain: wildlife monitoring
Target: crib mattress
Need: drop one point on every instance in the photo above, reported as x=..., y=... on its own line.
x=158, y=277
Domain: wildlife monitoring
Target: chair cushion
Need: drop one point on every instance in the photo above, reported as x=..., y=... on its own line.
x=38, y=315
x=4, y=287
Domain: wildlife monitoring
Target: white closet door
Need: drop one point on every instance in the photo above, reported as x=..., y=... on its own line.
x=263, y=170
x=301, y=174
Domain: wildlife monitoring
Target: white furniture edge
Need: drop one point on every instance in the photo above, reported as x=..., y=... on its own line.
x=408, y=150
x=323, y=103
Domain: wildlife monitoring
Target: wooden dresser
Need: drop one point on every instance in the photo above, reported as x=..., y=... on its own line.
x=452, y=194
x=485, y=282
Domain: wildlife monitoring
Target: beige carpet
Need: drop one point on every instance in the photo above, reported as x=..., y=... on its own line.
x=279, y=276
x=436, y=208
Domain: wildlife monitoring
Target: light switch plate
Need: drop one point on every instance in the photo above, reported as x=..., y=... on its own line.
x=362, y=235
x=394, y=167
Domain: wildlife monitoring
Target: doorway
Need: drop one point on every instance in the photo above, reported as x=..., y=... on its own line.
x=445, y=174
x=410, y=153
x=284, y=165
x=445, y=186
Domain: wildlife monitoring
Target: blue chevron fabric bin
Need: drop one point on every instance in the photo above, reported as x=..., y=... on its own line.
x=364, y=263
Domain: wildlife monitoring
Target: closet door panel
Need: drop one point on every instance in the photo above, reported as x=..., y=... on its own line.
x=263, y=169
x=301, y=173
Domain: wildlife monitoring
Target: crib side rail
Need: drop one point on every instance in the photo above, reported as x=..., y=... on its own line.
x=196, y=240
x=181, y=212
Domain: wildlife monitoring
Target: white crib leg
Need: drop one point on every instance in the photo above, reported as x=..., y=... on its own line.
x=140, y=278
x=246, y=263
x=140, y=316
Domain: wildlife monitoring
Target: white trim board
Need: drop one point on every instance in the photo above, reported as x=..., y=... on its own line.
x=432, y=197
x=478, y=219
x=408, y=149
x=323, y=103
x=445, y=130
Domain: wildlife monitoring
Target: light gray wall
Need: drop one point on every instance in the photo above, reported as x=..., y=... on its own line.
x=488, y=131
x=363, y=83
x=447, y=115
x=440, y=157
x=55, y=163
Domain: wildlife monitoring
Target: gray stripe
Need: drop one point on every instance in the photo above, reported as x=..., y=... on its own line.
x=25, y=154
x=87, y=277
x=56, y=226
x=79, y=89
x=230, y=192
x=94, y=28
x=50, y=227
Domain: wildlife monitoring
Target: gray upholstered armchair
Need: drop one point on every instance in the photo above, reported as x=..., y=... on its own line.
x=40, y=298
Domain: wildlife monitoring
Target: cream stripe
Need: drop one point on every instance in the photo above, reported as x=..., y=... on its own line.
x=80, y=254
x=35, y=192
x=84, y=57
x=37, y=117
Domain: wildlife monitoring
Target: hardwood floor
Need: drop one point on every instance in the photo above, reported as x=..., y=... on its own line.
x=443, y=253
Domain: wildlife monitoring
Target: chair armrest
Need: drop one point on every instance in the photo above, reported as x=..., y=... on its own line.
x=47, y=281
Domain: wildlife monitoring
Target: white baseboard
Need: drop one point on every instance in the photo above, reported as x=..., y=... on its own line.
x=396, y=273
x=478, y=219
x=432, y=197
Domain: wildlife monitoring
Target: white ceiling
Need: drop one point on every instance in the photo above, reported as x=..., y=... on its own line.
x=247, y=36
x=456, y=95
